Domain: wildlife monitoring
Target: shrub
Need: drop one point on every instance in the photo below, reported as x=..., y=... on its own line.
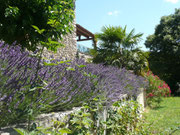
x=157, y=89
x=121, y=119
x=28, y=88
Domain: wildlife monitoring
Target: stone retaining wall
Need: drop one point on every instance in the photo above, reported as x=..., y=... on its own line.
x=46, y=120
x=141, y=98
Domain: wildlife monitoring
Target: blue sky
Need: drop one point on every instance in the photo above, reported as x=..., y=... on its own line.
x=143, y=15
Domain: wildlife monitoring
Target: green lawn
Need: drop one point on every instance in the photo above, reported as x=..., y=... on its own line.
x=165, y=117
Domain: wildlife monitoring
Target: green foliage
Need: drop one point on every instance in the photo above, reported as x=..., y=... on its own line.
x=11, y=11
x=26, y=132
x=133, y=60
x=34, y=22
x=122, y=118
x=58, y=128
x=116, y=47
x=160, y=121
x=156, y=90
x=164, y=48
x=125, y=118
x=57, y=63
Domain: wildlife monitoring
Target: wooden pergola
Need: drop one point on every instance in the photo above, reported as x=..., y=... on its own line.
x=81, y=31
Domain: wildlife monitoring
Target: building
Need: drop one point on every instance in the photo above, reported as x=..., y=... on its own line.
x=70, y=41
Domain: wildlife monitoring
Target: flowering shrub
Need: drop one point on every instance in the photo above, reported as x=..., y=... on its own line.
x=157, y=89
x=28, y=88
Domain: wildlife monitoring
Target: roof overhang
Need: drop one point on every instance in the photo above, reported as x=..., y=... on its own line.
x=82, y=32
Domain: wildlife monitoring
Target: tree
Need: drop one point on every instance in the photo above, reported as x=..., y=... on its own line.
x=117, y=37
x=52, y=19
x=164, y=48
x=116, y=47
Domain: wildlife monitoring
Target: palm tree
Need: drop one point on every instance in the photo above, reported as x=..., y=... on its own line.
x=116, y=47
x=112, y=43
x=117, y=37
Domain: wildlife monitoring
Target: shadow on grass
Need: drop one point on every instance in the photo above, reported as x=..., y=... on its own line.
x=175, y=130
x=158, y=107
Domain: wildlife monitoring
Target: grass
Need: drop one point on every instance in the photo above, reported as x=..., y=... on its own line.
x=165, y=118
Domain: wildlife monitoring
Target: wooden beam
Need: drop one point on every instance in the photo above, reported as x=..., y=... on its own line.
x=79, y=33
x=79, y=37
x=83, y=31
x=85, y=39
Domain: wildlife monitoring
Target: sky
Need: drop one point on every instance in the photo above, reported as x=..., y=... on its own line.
x=142, y=15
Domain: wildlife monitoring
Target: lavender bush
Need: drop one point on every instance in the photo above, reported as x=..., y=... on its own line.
x=56, y=86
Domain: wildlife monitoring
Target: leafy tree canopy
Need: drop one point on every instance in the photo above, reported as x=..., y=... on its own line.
x=164, y=47
x=166, y=37
x=51, y=18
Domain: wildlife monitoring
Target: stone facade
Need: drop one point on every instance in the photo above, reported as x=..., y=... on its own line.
x=69, y=51
x=85, y=57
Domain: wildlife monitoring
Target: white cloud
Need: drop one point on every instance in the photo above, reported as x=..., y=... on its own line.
x=114, y=13
x=172, y=1
x=110, y=13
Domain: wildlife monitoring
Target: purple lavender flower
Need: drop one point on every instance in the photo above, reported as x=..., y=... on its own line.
x=56, y=85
